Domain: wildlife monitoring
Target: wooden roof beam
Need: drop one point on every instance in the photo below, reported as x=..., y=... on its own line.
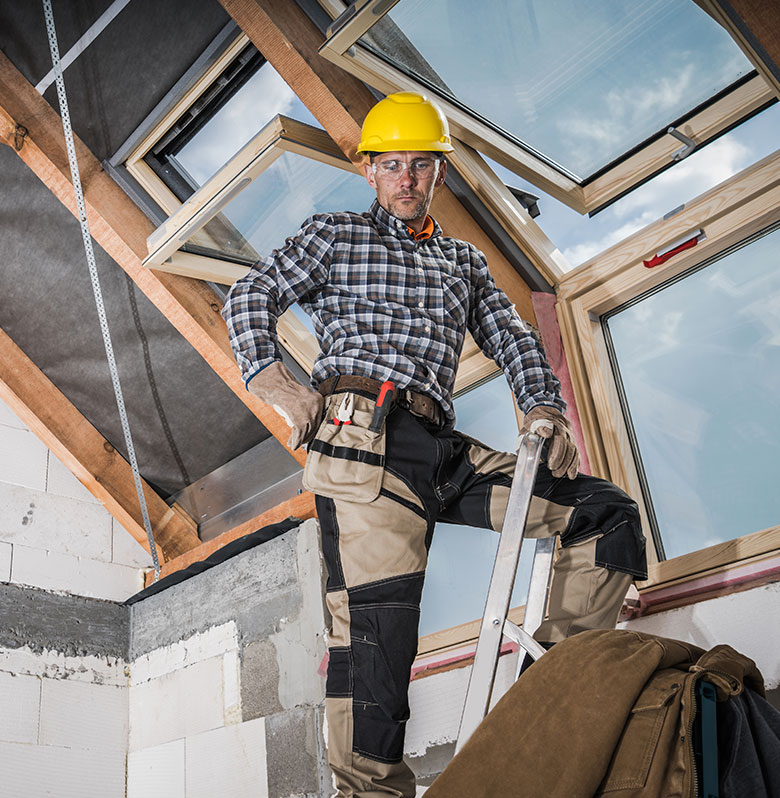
x=96, y=463
x=33, y=129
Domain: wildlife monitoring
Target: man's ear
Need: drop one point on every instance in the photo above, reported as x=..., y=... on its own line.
x=369, y=173
x=442, y=173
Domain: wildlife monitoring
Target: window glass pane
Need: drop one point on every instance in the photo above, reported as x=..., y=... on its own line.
x=700, y=364
x=581, y=83
x=261, y=98
x=272, y=208
x=580, y=238
x=461, y=558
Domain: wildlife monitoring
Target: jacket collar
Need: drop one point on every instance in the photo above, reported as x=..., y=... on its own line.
x=386, y=221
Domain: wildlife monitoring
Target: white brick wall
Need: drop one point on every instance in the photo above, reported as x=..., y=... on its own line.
x=54, y=534
x=60, y=734
x=229, y=761
x=51, y=570
x=22, y=458
x=33, y=771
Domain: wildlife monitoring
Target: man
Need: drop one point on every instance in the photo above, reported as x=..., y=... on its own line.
x=391, y=299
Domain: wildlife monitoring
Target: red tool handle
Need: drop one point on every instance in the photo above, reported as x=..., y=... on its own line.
x=382, y=405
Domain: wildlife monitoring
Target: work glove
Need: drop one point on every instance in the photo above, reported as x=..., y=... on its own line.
x=547, y=422
x=299, y=406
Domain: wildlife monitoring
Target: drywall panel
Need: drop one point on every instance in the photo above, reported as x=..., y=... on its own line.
x=746, y=621
x=6, y=551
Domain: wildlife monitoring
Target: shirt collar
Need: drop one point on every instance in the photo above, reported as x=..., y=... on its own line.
x=386, y=220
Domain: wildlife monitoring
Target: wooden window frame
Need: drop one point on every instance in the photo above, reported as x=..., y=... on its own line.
x=342, y=48
x=729, y=214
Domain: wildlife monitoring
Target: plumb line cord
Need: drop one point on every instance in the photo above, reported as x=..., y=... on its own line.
x=101, y=310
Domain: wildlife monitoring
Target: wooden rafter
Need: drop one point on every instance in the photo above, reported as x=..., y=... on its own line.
x=121, y=229
x=103, y=470
x=290, y=40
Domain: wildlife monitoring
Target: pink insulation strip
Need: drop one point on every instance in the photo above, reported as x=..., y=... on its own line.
x=547, y=323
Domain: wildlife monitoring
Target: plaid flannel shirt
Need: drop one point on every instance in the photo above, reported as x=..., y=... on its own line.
x=386, y=306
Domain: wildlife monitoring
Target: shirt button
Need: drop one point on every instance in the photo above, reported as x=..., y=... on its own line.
x=420, y=304
x=427, y=329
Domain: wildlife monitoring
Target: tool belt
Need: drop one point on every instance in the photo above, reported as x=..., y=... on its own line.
x=416, y=403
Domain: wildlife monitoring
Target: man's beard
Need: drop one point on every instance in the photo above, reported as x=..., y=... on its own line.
x=407, y=213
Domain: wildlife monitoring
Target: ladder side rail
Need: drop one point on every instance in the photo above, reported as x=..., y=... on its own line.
x=502, y=581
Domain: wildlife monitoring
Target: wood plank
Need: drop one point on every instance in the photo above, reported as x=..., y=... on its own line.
x=98, y=466
x=290, y=41
x=300, y=506
x=121, y=229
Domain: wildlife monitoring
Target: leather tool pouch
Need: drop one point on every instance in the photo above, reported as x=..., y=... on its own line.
x=346, y=461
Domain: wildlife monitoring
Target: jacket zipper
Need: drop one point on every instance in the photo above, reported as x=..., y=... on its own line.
x=689, y=730
x=689, y=735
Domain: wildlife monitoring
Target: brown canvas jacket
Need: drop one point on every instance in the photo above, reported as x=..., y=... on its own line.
x=604, y=713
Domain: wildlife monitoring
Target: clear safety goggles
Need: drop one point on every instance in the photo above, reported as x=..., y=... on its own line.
x=419, y=169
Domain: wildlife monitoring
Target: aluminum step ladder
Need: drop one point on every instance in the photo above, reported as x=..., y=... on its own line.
x=495, y=624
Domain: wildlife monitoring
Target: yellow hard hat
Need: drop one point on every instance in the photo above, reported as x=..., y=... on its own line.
x=405, y=121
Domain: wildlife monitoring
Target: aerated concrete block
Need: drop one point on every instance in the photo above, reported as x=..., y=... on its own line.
x=126, y=550
x=230, y=761
x=81, y=715
x=5, y=561
x=22, y=458
x=8, y=418
x=62, y=481
x=20, y=700
x=177, y=704
x=157, y=772
x=34, y=771
x=42, y=520
x=51, y=570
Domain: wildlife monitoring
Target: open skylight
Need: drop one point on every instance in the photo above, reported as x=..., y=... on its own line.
x=579, y=83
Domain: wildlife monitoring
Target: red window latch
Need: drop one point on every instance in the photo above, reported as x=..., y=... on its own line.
x=675, y=248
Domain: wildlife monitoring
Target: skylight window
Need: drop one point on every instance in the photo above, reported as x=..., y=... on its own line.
x=580, y=83
x=698, y=361
x=578, y=98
